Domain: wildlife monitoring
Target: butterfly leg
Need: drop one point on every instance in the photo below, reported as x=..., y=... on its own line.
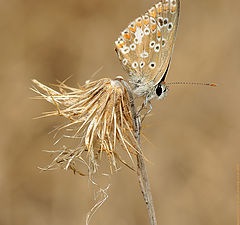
x=150, y=105
x=145, y=105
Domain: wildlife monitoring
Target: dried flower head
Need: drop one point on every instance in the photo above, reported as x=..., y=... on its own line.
x=99, y=117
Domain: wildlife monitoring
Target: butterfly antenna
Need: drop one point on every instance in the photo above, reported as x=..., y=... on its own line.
x=191, y=83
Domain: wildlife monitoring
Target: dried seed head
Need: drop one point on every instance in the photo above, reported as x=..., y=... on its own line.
x=99, y=115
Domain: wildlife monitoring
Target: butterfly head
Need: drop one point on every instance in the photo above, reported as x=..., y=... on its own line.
x=158, y=91
x=161, y=90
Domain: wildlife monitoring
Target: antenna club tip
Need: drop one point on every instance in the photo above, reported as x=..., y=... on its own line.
x=213, y=85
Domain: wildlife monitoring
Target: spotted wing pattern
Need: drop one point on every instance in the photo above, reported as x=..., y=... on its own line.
x=145, y=46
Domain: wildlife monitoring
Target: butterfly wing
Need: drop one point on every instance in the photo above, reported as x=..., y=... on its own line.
x=145, y=46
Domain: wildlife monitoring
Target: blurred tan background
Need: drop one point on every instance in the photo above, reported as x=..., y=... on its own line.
x=194, y=132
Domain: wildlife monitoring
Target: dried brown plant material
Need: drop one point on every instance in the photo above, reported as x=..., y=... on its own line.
x=99, y=117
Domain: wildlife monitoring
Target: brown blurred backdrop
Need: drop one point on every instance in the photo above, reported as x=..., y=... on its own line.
x=194, y=131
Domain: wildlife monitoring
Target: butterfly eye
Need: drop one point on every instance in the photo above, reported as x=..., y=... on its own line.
x=159, y=90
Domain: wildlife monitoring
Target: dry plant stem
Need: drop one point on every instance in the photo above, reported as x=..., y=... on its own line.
x=141, y=171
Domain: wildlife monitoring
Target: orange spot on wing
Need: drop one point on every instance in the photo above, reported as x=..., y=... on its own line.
x=120, y=45
x=153, y=27
x=159, y=34
x=139, y=21
x=139, y=24
x=123, y=44
x=146, y=21
x=153, y=13
x=173, y=8
x=159, y=8
x=133, y=29
x=166, y=7
x=127, y=36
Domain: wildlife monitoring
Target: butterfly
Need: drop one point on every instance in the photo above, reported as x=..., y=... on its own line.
x=145, y=48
